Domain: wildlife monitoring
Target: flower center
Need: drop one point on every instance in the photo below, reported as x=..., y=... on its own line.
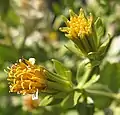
x=26, y=78
x=79, y=25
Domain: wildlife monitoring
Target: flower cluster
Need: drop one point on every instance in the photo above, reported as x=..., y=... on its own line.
x=26, y=78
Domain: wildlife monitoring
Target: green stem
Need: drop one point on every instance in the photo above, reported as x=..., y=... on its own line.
x=84, y=79
x=102, y=93
x=88, y=76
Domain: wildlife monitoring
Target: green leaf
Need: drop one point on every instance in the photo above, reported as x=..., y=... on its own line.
x=92, y=55
x=68, y=101
x=102, y=99
x=46, y=100
x=77, y=96
x=64, y=19
x=99, y=27
x=52, y=99
x=62, y=70
x=58, y=86
x=103, y=48
x=60, y=95
x=57, y=22
x=100, y=93
x=110, y=76
x=85, y=76
x=110, y=80
x=98, y=86
x=85, y=109
x=74, y=49
x=81, y=69
x=94, y=79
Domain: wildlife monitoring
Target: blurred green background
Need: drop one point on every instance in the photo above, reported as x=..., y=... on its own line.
x=29, y=28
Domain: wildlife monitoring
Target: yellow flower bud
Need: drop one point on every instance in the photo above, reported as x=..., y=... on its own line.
x=80, y=30
x=78, y=25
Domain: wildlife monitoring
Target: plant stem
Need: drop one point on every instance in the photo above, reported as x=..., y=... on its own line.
x=102, y=93
x=84, y=79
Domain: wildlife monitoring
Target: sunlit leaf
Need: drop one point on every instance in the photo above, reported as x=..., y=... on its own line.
x=62, y=70
x=99, y=27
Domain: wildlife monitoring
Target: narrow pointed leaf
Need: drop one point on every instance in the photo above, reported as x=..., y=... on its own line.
x=80, y=70
x=46, y=100
x=100, y=30
x=60, y=69
x=94, y=79
x=68, y=101
x=71, y=46
x=103, y=48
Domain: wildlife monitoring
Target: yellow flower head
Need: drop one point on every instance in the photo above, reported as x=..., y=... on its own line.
x=78, y=26
x=26, y=78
